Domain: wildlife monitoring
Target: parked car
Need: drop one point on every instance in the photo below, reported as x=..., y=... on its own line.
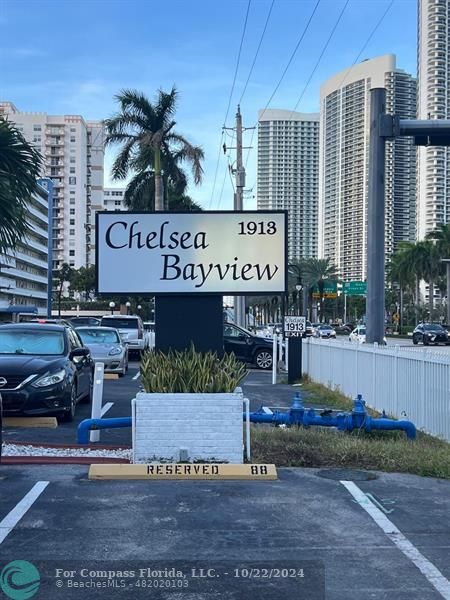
x=131, y=330
x=106, y=346
x=149, y=329
x=248, y=347
x=322, y=330
x=430, y=333
x=309, y=329
x=44, y=369
x=345, y=328
x=48, y=321
x=358, y=335
x=83, y=321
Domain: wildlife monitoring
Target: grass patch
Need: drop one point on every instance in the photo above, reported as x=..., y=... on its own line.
x=319, y=447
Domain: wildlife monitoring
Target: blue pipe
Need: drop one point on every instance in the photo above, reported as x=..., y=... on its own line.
x=357, y=419
x=88, y=424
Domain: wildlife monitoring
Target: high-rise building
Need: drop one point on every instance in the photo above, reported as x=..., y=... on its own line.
x=24, y=270
x=433, y=73
x=73, y=158
x=288, y=169
x=113, y=199
x=344, y=154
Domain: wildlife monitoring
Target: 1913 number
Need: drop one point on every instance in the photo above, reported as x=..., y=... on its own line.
x=257, y=228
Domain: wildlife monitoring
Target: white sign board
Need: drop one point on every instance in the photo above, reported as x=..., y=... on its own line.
x=294, y=326
x=185, y=253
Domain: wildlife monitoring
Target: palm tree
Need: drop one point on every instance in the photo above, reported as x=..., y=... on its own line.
x=432, y=269
x=441, y=236
x=316, y=272
x=150, y=148
x=63, y=275
x=19, y=168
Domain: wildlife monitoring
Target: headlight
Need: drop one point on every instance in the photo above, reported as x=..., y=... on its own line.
x=47, y=380
x=115, y=351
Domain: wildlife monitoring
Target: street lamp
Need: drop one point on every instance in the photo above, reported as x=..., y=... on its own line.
x=299, y=288
x=139, y=307
x=128, y=304
x=447, y=264
x=112, y=306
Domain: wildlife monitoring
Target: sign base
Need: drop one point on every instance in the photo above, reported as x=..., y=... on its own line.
x=200, y=471
x=189, y=319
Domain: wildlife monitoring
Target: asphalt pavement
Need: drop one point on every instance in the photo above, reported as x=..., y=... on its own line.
x=305, y=523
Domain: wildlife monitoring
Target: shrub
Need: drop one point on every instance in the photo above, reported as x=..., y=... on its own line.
x=190, y=372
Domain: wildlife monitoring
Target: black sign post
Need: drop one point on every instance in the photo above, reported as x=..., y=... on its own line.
x=294, y=328
x=295, y=359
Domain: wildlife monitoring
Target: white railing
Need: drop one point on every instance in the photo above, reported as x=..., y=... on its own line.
x=407, y=383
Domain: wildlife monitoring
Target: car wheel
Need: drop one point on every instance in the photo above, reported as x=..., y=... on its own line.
x=124, y=370
x=415, y=340
x=69, y=415
x=263, y=359
x=425, y=341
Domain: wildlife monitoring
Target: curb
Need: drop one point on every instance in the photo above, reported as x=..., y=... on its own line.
x=60, y=460
x=70, y=446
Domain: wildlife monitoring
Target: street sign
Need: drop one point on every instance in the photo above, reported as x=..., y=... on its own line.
x=193, y=252
x=294, y=326
x=329, y=290
x=355, y=288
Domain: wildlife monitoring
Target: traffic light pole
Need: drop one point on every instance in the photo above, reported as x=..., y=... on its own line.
x=384, y=127
x=375, y=220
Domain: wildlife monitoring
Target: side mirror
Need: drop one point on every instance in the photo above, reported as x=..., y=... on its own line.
x=79, y=352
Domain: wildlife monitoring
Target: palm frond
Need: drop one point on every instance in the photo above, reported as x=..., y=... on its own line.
x=135, y=103
x=140, y=192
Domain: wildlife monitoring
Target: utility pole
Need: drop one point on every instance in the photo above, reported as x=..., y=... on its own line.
x=239, y=301
x=239, y=173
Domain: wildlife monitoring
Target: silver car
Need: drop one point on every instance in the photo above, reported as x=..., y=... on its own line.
x=106, y=346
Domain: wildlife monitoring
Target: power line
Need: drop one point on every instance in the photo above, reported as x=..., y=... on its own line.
x=217, y=168
x=225, y=174
x=366, y=43
x=229, y=99
x=237, y=62
x=291, y=58
x=320, y=56
x=257, y=51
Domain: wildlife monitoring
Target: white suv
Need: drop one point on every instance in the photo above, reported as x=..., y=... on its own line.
x=131, y=330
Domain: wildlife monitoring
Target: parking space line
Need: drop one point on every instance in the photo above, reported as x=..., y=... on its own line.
x=14, y=516
x=106, y=407
x=138, y=374
x=432, y=573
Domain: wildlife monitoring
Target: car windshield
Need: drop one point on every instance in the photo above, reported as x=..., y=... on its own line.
x=98, y=336
x=433, y=327
x=37, y=343
x=325, y=327
x=120, y=323
x=361, y=331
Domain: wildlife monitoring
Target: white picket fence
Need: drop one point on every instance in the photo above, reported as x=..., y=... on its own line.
x=413, y=384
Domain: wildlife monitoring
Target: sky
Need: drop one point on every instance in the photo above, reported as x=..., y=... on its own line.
x=73, y=56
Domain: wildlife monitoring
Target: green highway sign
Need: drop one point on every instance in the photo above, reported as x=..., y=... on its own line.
x=355, y=288
x=329, y=290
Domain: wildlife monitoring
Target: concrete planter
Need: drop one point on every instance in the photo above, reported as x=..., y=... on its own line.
x=193, y=427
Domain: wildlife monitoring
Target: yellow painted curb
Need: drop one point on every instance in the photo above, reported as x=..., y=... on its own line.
x=50, y=422
x=183, y=471
x=111, y=376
